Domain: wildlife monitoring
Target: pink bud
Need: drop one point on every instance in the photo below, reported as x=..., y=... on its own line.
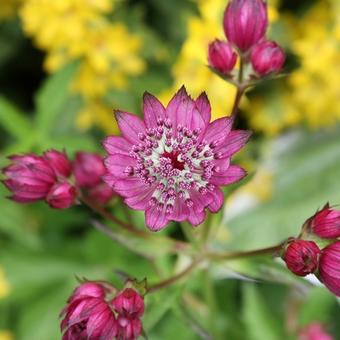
x=326, y=223
x=221, y=56
x=61, y=195
x=329, y=267
x=59, y=162
x=267, y=57
x=245, y=22
x=129, y=303
x=314, y=331
x=101, y=193
x=302, y=257
x=88, y=169
x=88, y=315
x=29, y=178
x=128, y=329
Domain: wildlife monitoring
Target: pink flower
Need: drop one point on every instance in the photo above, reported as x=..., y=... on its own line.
x=302, y=257
x=88, y=316
x=245, y=22
x=59, y=162
x=221, y=56
x=326, y=223
x=88, y=170
x=130, y=307
x=61, y=195
x=329, y=267
x=172, y=164
x=29, y=178
x=314, y=331
x=267, y=57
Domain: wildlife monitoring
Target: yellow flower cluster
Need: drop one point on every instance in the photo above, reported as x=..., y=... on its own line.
x=6, y=335
x=191, y=66
x=4, y=285
x=79, y=30
x=311, y=94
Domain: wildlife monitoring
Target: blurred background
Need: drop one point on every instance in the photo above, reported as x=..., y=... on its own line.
x=65, y=64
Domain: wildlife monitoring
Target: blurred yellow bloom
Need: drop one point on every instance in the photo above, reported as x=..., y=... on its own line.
x=191, y=66
x=4, y=285
x=78, y=30
x=8, y=8
x=6, y=335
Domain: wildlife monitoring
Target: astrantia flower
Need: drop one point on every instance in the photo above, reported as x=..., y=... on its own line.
x=172, y=164
x=88, y=171
x=326, y=223
x=329, y=267
x=302, y=257
x=88, y=315
x=130, y=307
x=314, y=331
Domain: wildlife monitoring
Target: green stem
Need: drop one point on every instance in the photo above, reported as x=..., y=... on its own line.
x=275, y=251
x=168, y=282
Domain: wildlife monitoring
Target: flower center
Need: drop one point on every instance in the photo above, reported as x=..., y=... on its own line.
x=173, y=156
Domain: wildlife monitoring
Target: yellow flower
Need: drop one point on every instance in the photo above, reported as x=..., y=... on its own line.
x=6, y=335
x=4, y=285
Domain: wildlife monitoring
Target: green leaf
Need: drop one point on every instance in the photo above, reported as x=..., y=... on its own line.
x=258, y=317
x=13, y=120
x=52, y=97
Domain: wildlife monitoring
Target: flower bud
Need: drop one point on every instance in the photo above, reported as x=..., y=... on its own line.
x=302, y=257
x=59, y=162
x=314, y=331
x=129, y=303
x=329, y=267
x=88, y=169
x=130, y=307
x=221, y=56
x=88, y=315
x=267, y=57
x=61, y=195
x=101, y=193
x=245, y=22
x=29, y=178
x=326, y=223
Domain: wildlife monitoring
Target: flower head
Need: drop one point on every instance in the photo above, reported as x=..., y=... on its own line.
x=245, y=22
x=314, y=331
x=87, y=315
x=88, y=171
x=326, y=223
x=172, y=164
x=130, y=307
x=32, y=178
x=267, y=57
x=302, y=257
x=329, y=267
x=61, y=196
x=221, y=56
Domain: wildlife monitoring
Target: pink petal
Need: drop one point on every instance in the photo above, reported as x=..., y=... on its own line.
x=140, y=201
x=130, y=125
x=130, y=187
x=181, y=210
x=182, y=111
x=155, y=219
x=110, y=180
x=204, y=108
x=200, y=201
x=195, y=217
x=152, y=109
x=114, y=144
x=116, y=164
x=217, y=200
x=218, y=129
x=234, y=142
x=232, y=175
